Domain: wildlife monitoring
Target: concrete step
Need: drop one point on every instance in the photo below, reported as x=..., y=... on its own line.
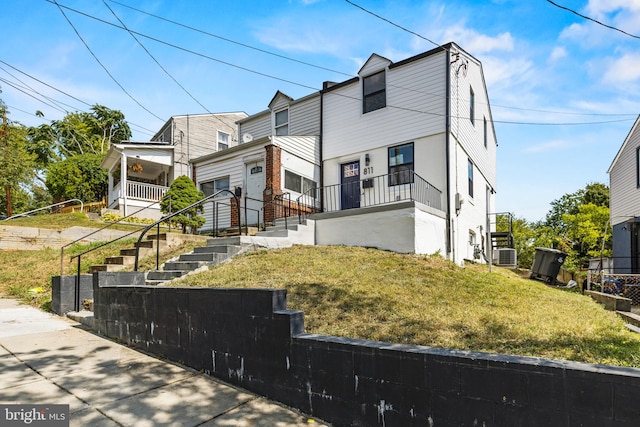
x=105, y=267
x=222, y=241
x=212, y=257
x=121, y=260
x=184, y=265
x=273, y=233
x=224, y=249
x=163, y=276
x=142, y=252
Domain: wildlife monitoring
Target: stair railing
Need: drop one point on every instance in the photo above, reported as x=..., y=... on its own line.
x=46, y=207
x=103, y=228
x=181, y=211
x=79, y=256
x=278, y=202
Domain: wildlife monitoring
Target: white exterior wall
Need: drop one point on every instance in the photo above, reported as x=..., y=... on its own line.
x=471, y=134
x=405, y=229
x=233, y=166
x=418, y=88
x=472, y=217
x=258, y=126
x=624, y=196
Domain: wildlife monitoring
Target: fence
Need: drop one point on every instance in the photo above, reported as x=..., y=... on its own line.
x=626, y=285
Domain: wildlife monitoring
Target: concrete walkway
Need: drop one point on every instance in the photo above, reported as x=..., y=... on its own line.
x=45, y=359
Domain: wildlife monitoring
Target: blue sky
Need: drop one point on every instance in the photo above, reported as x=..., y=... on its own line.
x=564, y=90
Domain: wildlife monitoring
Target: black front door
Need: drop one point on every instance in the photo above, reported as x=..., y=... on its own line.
x=350, y=188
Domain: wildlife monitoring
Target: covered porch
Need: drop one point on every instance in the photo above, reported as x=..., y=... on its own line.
x=139, y=177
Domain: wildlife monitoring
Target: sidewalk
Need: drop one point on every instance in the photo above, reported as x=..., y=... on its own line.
x=45, y=359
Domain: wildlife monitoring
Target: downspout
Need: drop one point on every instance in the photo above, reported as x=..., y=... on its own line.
x=450, y=249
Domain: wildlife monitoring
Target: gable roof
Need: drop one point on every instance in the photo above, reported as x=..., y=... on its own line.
x=624, y=144
x=280, y=95
x=373, y=64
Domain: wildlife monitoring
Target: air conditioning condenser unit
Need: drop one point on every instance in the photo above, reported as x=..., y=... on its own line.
x=505, y=257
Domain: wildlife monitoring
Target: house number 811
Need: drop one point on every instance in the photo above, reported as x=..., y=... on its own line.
x=368, y=170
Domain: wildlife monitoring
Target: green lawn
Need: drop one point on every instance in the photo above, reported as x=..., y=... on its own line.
x=379, y=295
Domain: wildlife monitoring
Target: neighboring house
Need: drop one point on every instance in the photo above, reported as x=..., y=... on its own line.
x=624, y=203
x=277, y=159
x=407, y=153
x=140, y=173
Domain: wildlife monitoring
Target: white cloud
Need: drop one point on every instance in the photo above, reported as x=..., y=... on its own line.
x=477, y=43
x=557, y=53
x=623, y=70
x=599, y=8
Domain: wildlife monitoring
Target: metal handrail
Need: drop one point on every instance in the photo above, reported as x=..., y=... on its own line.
x=166, y=218
x=214, y=215
x=103, y=228
x=46, y=207
x=373, y=191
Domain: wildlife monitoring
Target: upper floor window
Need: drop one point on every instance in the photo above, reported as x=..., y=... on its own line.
x=374, y=94
x=282, y=122
x=472, y=106
x=470, y=169
x=223, y=141
x=211, y=187
x=401, y=164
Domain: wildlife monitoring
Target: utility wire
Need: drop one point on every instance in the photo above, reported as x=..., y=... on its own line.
x=48, y=98
x=148, y=131
x=593, y=20
x=102, y=65
x=316, y=89
x=232, y=41
x=154, y=59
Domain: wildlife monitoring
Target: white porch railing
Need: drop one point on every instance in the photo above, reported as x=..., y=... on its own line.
x=147, y=192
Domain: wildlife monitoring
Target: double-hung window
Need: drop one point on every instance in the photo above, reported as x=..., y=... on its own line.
x=374, y=93
x=401, y=164
x=282, y=122
x=211, y=187
x=223, y=140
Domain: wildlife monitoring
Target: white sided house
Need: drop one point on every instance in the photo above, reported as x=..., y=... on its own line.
x=401, y=157
x=409, y=157
x=624, y=204
x=277, y=159
x=140, y=173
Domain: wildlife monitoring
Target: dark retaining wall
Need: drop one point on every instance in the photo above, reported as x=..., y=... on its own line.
x=247, y=337
x=63, y=292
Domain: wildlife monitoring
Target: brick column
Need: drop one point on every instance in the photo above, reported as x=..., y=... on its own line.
x=273, y=180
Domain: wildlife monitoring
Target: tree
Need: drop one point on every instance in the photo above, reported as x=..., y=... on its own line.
x=78, y=177
x=16, y=163
x=181, y=194
x=68, y=152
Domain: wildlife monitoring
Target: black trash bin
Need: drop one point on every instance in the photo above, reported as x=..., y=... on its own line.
x=546, y=264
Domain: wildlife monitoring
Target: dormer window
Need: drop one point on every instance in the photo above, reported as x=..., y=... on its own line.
x=374, y=94
x=282, y=122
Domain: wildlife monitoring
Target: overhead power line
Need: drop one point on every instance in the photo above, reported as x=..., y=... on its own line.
x=102, y=65
x=593, y=20
x=233, y=41
x=316, y=89
x=154, y=59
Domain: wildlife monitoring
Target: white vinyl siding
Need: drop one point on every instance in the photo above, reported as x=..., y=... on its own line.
x=624, y=197
x=419, y=88
x=257, y=126
x=470, y=136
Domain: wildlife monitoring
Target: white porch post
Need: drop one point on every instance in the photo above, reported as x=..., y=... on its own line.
x=123, y=180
